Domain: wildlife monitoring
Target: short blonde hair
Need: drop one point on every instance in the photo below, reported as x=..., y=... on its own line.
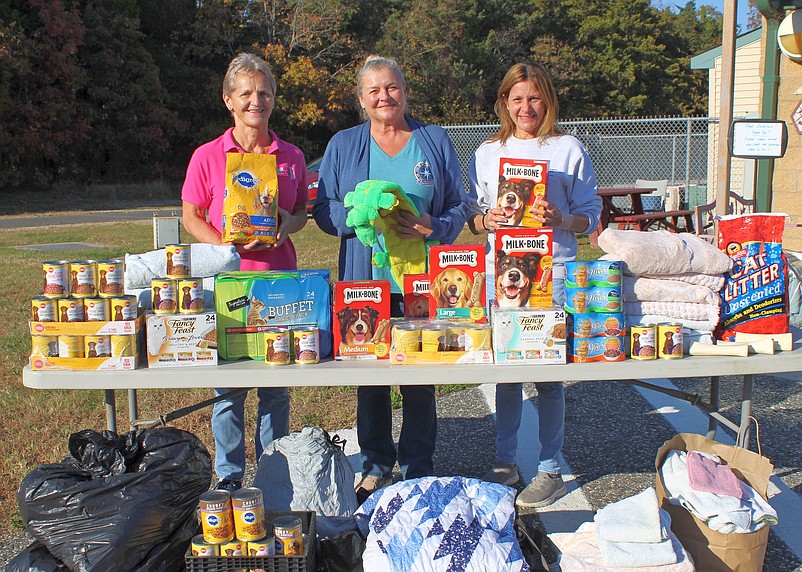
x=246, y=63
x=374, y=63
x=535, y=73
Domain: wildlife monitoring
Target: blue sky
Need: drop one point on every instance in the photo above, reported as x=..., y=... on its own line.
x=743, y=7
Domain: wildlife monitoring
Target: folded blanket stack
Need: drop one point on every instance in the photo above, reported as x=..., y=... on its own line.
x=632, y=534
x=206, y=261
x=698, y=482
x=671, y=277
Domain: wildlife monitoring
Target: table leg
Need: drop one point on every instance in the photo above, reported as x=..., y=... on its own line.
x=133, y=408
x=712, y=424
x=111, y=413
x=746, y=411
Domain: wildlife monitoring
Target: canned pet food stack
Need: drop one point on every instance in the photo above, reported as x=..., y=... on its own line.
x=593, y=300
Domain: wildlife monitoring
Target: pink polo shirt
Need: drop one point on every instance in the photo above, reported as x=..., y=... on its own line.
x=204, y=187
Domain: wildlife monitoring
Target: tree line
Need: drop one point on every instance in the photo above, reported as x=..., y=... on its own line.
x=111, y=91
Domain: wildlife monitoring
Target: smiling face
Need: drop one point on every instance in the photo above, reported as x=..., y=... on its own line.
x=383, y=97
x=526, y=109
x=252, y=100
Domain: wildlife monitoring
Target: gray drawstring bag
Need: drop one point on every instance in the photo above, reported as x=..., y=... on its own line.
x=307, y=470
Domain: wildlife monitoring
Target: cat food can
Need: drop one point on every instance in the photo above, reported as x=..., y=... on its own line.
x=45, y=346
x=71, y=310
x=123, y=345
x=97, y=346
x=56, y=278
x=44, y=309
x=111, y=278
x=203, y=549
x=406, y=337
x=433, y=337
x=233, y=548
x=217, y=520
x=97, y=309
x=163, y=296
x=84, y=278
x=70, y=346
x=277, y=345
x=190, y=295
x=642, y=338
x=249, y=514
x=289, y=536
x=123, y=308
x=263, y=547
x=669, y=340
x=179, y=260
x=477, y=336
x=306, y=343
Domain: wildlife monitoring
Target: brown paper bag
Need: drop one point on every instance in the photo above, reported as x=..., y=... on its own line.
x=714, y=551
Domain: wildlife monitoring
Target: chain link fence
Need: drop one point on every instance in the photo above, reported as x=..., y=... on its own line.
x=682, y=150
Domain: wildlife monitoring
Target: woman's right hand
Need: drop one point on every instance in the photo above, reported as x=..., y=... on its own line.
x=492, y=219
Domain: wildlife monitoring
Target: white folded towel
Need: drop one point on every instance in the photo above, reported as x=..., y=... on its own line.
x=677, y=310
x=640, y=554
x=713, y=281
x=206, y=260
x=633, y=519
x=640, y=289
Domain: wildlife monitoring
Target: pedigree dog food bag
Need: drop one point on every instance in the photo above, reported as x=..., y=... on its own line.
x=250, y=204
x=755, y=295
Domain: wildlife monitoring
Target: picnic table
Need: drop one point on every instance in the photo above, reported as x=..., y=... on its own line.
x=635, y=217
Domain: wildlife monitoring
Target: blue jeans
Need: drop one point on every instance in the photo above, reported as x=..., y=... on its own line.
x=228, y=426
x=374, y=427
x=550, y=408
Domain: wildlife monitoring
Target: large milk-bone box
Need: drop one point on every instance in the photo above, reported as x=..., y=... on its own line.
x=529, y=336
x=457, y=282
x=181, y=340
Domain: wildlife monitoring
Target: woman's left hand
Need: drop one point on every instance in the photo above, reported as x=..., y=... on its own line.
x=547, y=213
x=411, y=226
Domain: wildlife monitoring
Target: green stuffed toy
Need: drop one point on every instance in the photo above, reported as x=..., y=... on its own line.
x=371, y=204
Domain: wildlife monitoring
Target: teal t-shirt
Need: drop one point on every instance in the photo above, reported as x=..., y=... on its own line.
x=410, y=170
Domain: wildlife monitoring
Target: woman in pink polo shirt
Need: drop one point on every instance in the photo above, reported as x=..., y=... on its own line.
x=249, y=92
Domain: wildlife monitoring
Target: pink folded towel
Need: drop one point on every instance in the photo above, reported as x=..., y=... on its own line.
x=706, y=475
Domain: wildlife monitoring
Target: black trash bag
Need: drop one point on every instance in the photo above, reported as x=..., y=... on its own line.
x=35, y=558
x=342, y=552
x=115, y=522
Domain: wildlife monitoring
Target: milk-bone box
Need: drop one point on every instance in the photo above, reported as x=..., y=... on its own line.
x=361, y=319
x=457, y=282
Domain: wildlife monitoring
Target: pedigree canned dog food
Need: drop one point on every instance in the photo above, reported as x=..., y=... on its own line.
x=406, y=337
x=477, y=337
x=71, y=310
x=289, y=536
x=84, y=278
x=433, y=337
x=217, y=520
x=45, y=346
x=249, y=514
x=123, y=345
x=70, y=346
x=97, y=346
x=203, y=549
x=44, y=309
x=306, y=344
x=123, y=308
x=179, y=260
x=263, y=547
x=97, y=309
x=110, y=278
x=455, y=340
x=190, y=295
x=277, y=345
x=163, y=296
x=56, y=278
x=233, y=548
x=669, y=340
x=642, y=339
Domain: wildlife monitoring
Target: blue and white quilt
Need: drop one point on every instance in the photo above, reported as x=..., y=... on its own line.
x=441, y=524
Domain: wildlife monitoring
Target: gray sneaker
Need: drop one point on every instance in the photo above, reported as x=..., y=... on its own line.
x=503, y=474
x=544, y=489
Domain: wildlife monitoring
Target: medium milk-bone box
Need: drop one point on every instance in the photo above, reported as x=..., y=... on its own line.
x=457, y=282
x=521, y=182
x=417, y=297
x=523, y=268
x=250, y=302
x=361, y=320
x=181, y=340
x=529, y=336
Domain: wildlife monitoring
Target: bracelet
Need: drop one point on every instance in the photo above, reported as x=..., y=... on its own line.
x=484, y=226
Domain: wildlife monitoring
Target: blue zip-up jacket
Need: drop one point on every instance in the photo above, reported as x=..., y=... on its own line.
x=346, y=163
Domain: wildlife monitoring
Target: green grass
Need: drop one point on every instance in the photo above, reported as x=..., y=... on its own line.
x=35, y=424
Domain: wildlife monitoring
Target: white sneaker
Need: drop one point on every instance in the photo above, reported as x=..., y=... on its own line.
x=503, y=474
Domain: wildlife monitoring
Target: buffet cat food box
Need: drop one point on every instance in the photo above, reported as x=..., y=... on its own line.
x=523, y=267
x=361, y=321
x=181, y=340
x=250, y=302
x=457, y=282
x=529, y=336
